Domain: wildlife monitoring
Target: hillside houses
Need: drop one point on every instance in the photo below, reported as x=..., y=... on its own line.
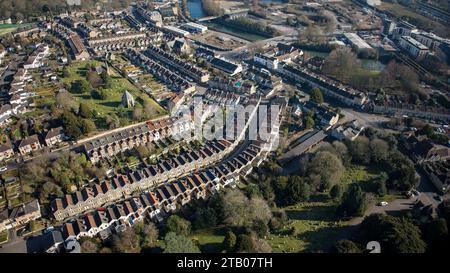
x=174, y=63
x=165, y=198
x=6, y=150
x=20, y=215
x=35, y=59
x=173, y=80
x=422, y=150
x=29, y=145
x=114, y=143
x=122, y=185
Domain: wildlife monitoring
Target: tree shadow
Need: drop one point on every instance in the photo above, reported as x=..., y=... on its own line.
x=111, y=103
x=323, y=239
x=314, y=213
x=211, y=248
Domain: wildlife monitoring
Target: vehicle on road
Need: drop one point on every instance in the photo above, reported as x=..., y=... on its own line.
x=383, y=203
x=3, y=169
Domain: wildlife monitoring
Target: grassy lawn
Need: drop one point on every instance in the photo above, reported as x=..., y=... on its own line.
x=77, y=71
x=356, y=173
x=7, y=28
x=3, y=237
x=210, y=240
x=316, y=228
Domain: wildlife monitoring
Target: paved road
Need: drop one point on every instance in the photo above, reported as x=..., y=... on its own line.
x=237, y=53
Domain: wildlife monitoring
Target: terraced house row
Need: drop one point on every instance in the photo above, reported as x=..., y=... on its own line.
x=344, y=94
x=165, y=198
x=117, y=217
x=111, y=144
x=171, y=79
x=121, y=185
x=174, y=63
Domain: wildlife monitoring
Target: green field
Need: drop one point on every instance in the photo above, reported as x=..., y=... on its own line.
x=77, y=71
x=210, y=240
x=316, y=228
x=5, y=30
x=3, y=237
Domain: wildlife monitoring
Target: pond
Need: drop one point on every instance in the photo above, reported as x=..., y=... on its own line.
x=196, y=9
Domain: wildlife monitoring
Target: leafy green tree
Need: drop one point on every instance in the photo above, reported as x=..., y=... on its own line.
x=87, y=126
x=80, y=87
x=85, y=111
x=379, y=150
x=178, y=225
x=353, y=201
x=174, y=243
x=297, y=191
x=402, y=175
x=360, y=150
x=346, y=246
x=142, y=151
x=395, y=234
x=325, y=169
x=316, y=95
x=309, y=122
x=229, y=242
x=260, y=228
x=205, y=218
x=380, y=184
x=336, y=192
x=244, y=243
x=436, y=235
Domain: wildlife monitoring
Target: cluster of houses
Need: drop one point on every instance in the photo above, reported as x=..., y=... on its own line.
x=152, y=17
x=329, y=87
x=433, y=159
x=18, y=95
x=222, y=98
x=20, y=215
x=114, y=143
x=349, y=131
x=174, y=63
x=72, y=39
x=393, y=107
x=282, y=53
x=323, y=115
x=122, y=41
x=170, y=78
x=32, y=143
x=123, y=185
x=167, y=197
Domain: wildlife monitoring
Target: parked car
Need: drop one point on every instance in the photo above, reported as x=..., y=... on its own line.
x=3, y=169
x=383, y=203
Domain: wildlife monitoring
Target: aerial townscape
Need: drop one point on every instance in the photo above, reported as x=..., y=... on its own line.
x=224, y=126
